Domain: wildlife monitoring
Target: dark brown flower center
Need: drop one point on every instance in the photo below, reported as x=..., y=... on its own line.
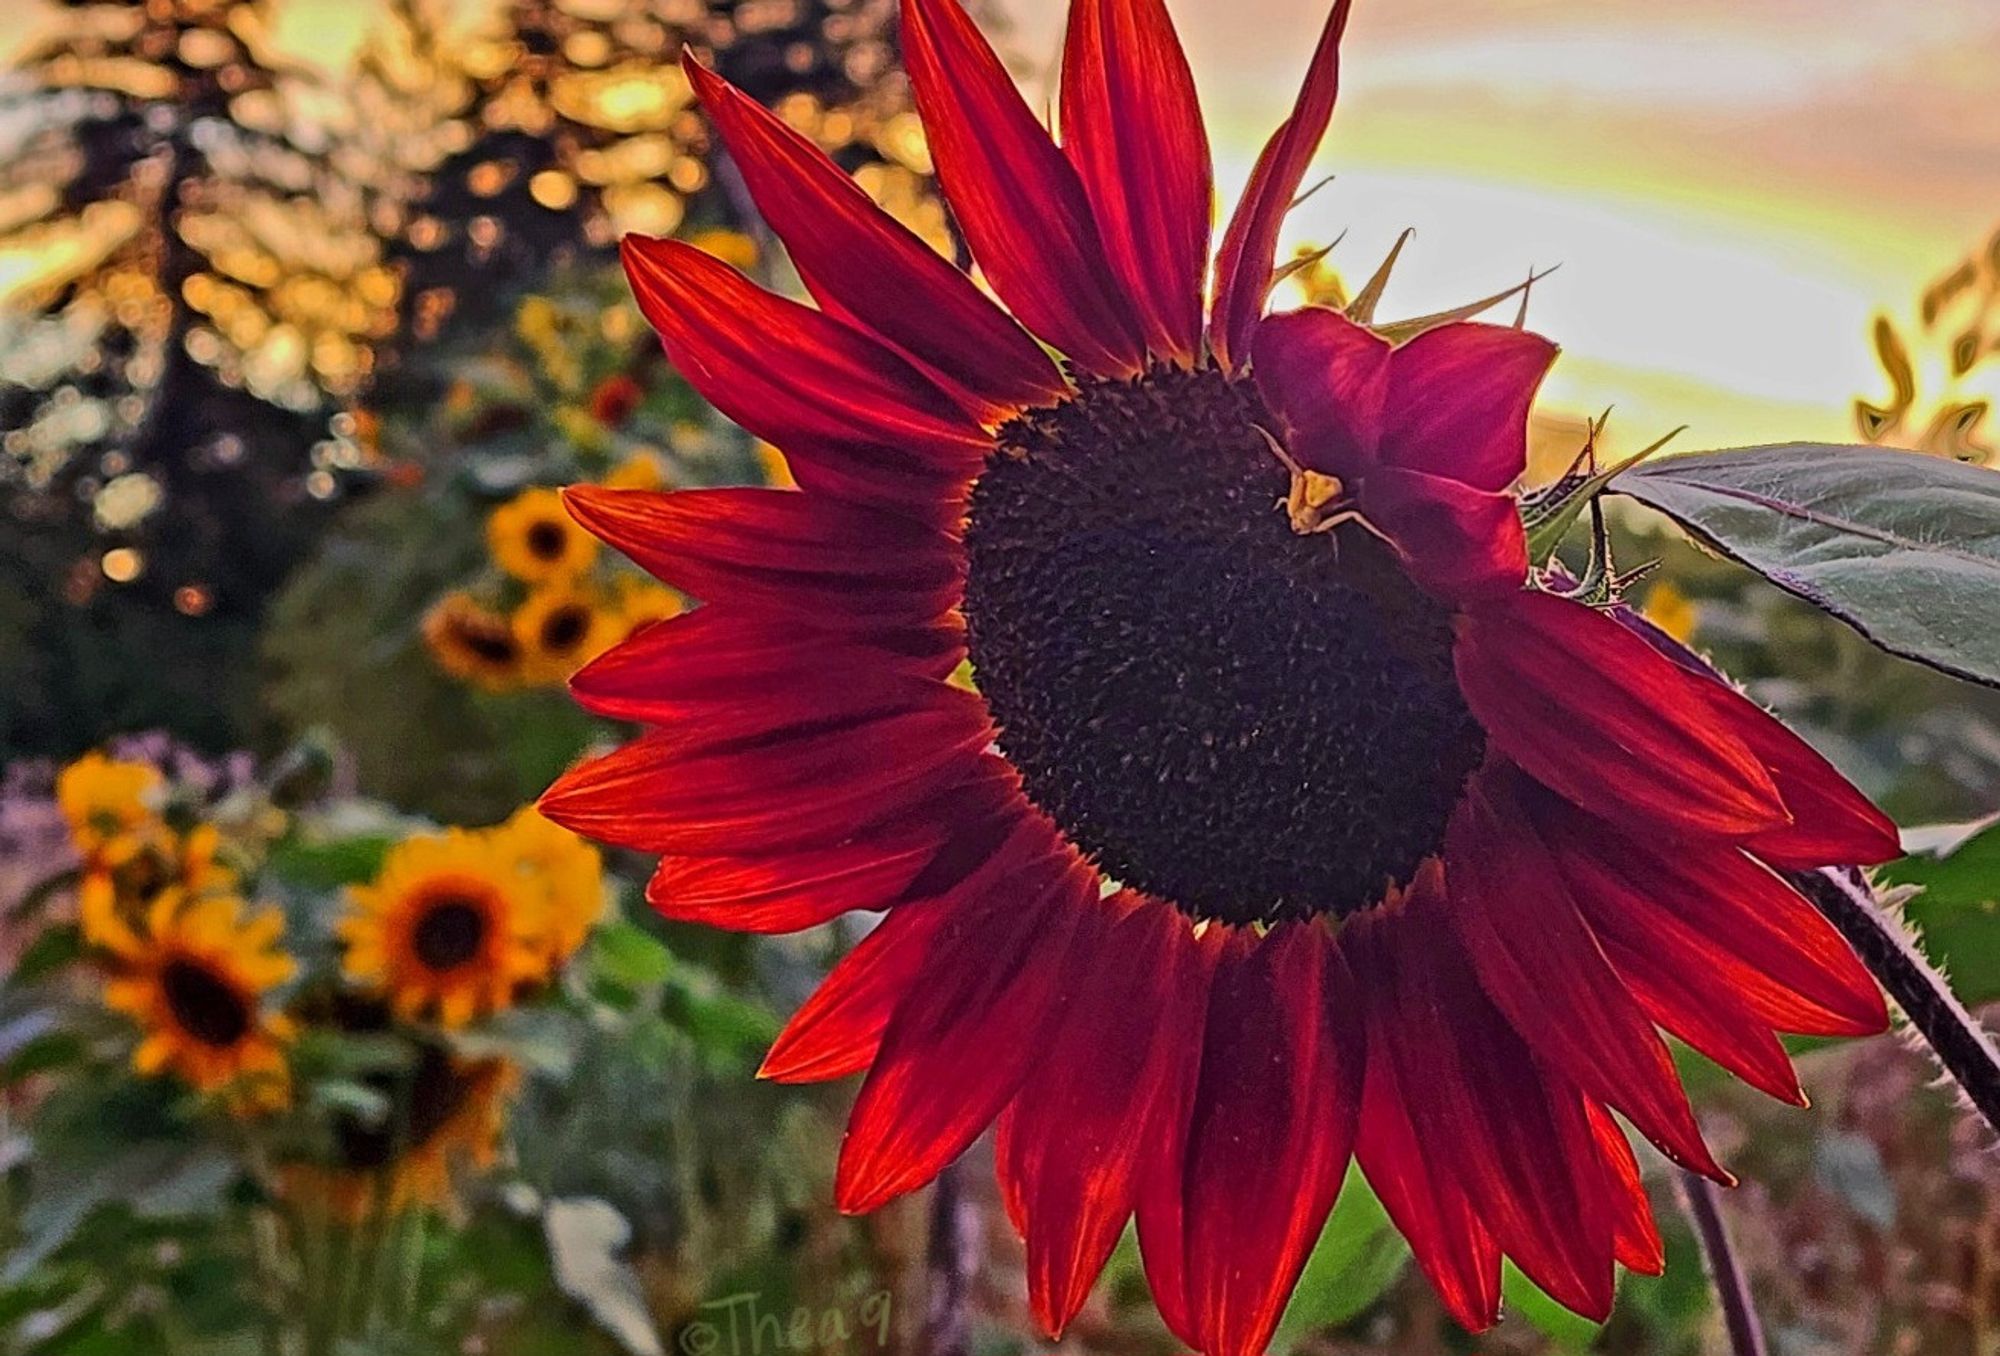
x=489, y=641
x=565, y=627
x=546, y=539
x=450, y=933
x=1253, y=724
x=423, y=1099
x=207, y=1007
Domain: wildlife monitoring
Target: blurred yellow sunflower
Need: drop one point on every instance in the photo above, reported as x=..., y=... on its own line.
x=1672, y=611
x=454, y=1126
x=472, y=643
x=561, y=627
x=641, y=602
x=449, y=929
x=103, y=800
x=195, y=984
x=447, y=1117
x=570, y=872
x=772, y=466
x=643, y=470
x=533, y=538
x=124, y=880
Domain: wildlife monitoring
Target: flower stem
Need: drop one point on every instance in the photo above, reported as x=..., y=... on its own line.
x=949, y=1263
x=1732, y=1288
x=1885, y=947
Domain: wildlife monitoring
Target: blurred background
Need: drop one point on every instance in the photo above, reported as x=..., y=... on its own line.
x=305, y=308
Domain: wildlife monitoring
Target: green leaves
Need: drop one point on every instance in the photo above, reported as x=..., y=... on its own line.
x=1359, y=1256
x=1902, y=547
x=1957, y=914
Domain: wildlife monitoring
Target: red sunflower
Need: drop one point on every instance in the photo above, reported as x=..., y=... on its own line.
x=1293, y=819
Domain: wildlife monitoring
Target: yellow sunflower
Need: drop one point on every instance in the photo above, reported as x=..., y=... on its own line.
x=448, y=929
x=195, y=984
x=472, y=643
x=533, y=538
x=568, y=871
x=560, y=628
x=643, y=470
x=1672, y=611
x=772, y=466
x=447, y=1117
x=104, y=800
x=123, y=880
x=641, y=602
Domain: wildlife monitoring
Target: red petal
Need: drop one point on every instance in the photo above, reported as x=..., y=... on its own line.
x=797, y=554
x=1417, y=1179
x=856, y=421
x=808, y=784
x=1326, y=378
x=1707, y=910
x=1596, y=714
x=1458, y=403
x=846, y=249
x=1509, y=1127
x=1833, y=824
x=1270, y=1134
x=1637, y=1238
x=837, y=1031
x=794, y=890
x=997, y=980
x=1071, y=1144
x=1132, y=127
x=685, y=666
x=1160, y=1208
x=1014, y=194
x=1458, y=542
x=1248, y=258
x=1706, y=1012
x=1540, y=963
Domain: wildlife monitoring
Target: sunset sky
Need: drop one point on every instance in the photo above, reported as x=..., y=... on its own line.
x=1732, y=190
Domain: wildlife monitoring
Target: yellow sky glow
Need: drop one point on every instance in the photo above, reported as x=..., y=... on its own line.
x=1732, y=190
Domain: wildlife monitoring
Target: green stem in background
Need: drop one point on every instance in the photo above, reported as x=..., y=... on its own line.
x=1732, y=1288
x=413, y=1269
x=1961, y=1045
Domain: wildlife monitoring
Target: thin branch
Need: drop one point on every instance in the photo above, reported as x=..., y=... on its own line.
x=1732, y=1288
x=1884, y=945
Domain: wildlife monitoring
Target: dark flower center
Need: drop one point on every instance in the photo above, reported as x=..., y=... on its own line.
x=206, y=1006
x=1253, y=724
x=564, y=628
x=449, y=934
x=423, y=1101
x=546, y=539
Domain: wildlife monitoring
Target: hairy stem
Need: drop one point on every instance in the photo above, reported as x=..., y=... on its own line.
x=1885, y=947
x=1732, y=1288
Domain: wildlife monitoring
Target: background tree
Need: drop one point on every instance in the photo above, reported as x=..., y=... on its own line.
x=192, y=295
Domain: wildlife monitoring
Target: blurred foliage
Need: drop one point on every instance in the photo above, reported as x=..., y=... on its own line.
x=345, y=648
x=217, y=273
x=575, y=1165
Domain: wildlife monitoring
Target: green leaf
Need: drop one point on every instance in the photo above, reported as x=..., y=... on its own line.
x=328, y=865
x=628, y=955
x=1904, y=548
x=1565, y=1330
x=1957, y=916
x=1359, y=1256
x=54, y=949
